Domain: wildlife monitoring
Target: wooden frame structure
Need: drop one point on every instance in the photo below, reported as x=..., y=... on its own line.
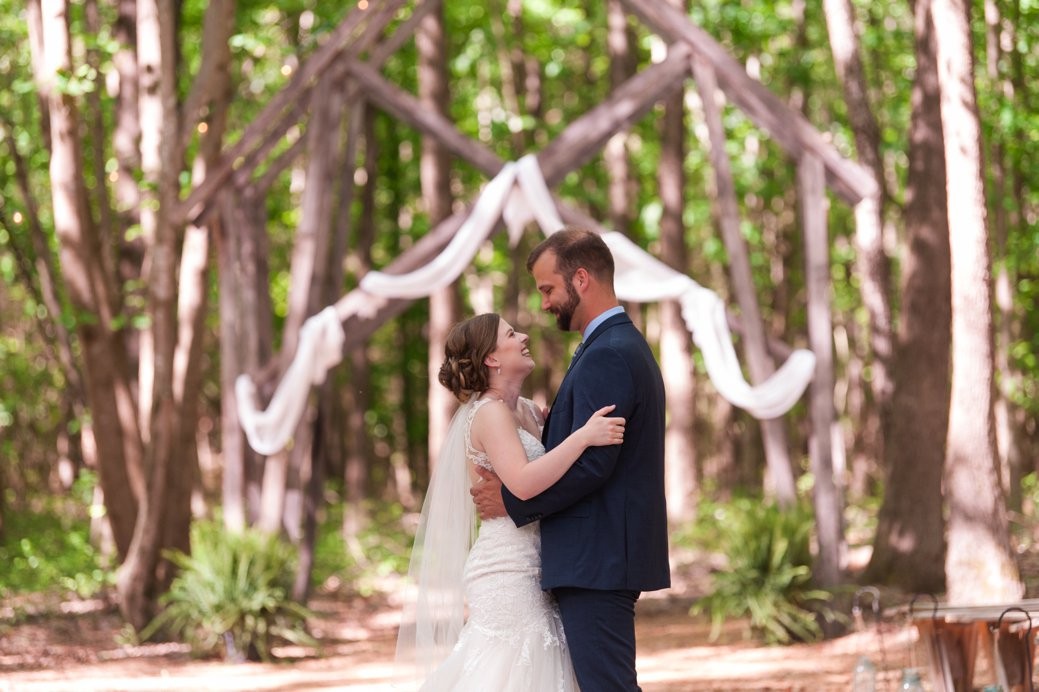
x=692, y=53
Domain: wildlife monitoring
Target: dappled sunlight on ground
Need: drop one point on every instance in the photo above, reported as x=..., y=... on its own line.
x=78, y=649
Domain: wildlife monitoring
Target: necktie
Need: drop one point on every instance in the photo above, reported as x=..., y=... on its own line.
x=577, y=352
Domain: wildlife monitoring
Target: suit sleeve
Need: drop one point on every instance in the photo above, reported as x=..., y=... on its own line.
x=604, y=378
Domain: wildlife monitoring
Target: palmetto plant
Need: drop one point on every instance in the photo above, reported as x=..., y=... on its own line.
x=768, y=578
x=232, y=592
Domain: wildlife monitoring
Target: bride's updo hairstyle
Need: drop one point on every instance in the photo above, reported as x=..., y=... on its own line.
x=468, y=344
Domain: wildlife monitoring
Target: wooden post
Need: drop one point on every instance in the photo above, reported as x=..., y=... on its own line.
x=773, y=434
x=811, y=186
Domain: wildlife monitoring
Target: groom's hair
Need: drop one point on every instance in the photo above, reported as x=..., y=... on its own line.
x=575, y=248
x=468, y=343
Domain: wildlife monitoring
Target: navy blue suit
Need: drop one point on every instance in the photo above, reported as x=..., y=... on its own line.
x=604, y=523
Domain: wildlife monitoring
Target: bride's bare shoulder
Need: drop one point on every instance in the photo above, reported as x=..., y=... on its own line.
x=490, y=414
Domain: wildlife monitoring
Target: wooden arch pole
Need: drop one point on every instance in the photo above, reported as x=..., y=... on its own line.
x=782, y=485
x=811, y=186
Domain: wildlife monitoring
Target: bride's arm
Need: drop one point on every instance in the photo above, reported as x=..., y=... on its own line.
x=494, y=430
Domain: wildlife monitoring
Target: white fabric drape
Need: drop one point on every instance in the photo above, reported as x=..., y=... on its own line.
x=639, y=277
x=642, y=278
x=320, y=348
x=518, y=194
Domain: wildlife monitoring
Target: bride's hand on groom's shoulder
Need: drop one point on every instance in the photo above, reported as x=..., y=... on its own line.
x=486, y=494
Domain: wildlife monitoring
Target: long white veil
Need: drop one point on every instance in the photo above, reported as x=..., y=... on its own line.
x=434, y=606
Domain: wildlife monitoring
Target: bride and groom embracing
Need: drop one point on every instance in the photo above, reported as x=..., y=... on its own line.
x=574, y=525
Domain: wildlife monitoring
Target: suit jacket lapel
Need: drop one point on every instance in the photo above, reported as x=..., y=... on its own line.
x=621, y=318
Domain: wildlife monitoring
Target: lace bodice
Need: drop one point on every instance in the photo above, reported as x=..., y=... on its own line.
x=531, y=445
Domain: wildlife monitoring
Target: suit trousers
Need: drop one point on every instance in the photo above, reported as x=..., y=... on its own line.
x=600, y=632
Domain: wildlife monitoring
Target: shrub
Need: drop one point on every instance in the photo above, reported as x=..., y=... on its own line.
x=769, y=573
x=233, y=591
x=47, y=549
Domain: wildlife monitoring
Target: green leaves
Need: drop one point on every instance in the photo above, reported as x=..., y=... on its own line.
x=47, y=551
x=768, y=577
x=233, y=591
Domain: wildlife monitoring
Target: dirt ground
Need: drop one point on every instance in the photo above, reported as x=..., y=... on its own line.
x=82, y=645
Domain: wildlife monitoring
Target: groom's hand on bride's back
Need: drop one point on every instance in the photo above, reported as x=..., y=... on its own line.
x=486, y=494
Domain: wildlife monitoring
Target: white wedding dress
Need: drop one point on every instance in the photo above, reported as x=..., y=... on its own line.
x=513, y=638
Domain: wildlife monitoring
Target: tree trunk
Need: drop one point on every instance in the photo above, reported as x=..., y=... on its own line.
x=95, y=133
x=825, y=496
x=871, y=262
x=435, y=174
x=193, y=289
x=676, y=360
x=357, y=394
x=105, y=364
x=620, y=41
x=245, y=342
x=1013, y=464
x=909, y=545
x=127, y=129
x=161, y=413
x=979, y=565
x=511, y=64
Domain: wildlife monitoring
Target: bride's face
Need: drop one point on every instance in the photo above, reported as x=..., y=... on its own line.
x=512, y=351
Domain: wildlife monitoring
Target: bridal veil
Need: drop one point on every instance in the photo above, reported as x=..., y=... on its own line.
x=434, y=607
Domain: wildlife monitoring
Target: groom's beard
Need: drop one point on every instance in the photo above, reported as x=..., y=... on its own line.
x=565, y=313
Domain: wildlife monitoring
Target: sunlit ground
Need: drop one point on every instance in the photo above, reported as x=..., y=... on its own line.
x=675, y=655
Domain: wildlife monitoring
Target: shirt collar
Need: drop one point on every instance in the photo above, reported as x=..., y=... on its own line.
x=617, y=310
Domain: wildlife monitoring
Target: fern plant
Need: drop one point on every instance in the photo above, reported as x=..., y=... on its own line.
x=232, y=592
x=768, y=579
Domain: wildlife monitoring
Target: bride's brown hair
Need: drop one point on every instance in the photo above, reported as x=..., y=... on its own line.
x=468, y=344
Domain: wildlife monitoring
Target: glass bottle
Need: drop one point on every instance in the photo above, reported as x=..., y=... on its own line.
x=911, y=681
x=864, y=676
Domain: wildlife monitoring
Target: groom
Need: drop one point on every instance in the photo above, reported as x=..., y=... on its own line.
x=604, y=523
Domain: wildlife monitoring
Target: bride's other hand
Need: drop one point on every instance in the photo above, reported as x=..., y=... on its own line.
x=601, y=430
x=486, y=494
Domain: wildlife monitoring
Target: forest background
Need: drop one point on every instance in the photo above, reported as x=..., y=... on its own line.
x=182, y=186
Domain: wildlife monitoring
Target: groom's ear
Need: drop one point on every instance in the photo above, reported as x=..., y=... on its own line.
x=581, y=279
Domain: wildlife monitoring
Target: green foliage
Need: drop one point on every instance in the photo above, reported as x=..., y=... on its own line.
x=382, y=547
x=50, y=551
x=233, y=590
x=768, y=574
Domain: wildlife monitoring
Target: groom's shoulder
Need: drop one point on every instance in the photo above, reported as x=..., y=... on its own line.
x=622, y=335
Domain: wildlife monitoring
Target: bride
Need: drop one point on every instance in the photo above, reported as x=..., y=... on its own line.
x=513, y=637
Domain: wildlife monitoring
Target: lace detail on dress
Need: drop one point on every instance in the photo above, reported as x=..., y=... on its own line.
x=513, y=638
x=531, y=445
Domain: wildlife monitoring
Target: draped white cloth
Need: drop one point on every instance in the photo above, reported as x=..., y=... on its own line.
x=519, y=195
x=320, y=348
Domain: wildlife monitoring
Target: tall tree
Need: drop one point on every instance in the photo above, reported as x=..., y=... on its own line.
x=141, y=426
x=212, y=96
x=358, y=399
x=435, y=173
x=106, y=363
x=676, y=358
x=620, y=44
x=160, y=413
x=871, y=259
x=1013, y=462
x=909, y=544
x=979, y=565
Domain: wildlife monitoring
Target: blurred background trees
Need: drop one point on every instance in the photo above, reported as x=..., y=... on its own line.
x=129, y=302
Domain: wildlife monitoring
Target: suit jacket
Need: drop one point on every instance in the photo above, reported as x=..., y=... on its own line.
x=604, y=523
